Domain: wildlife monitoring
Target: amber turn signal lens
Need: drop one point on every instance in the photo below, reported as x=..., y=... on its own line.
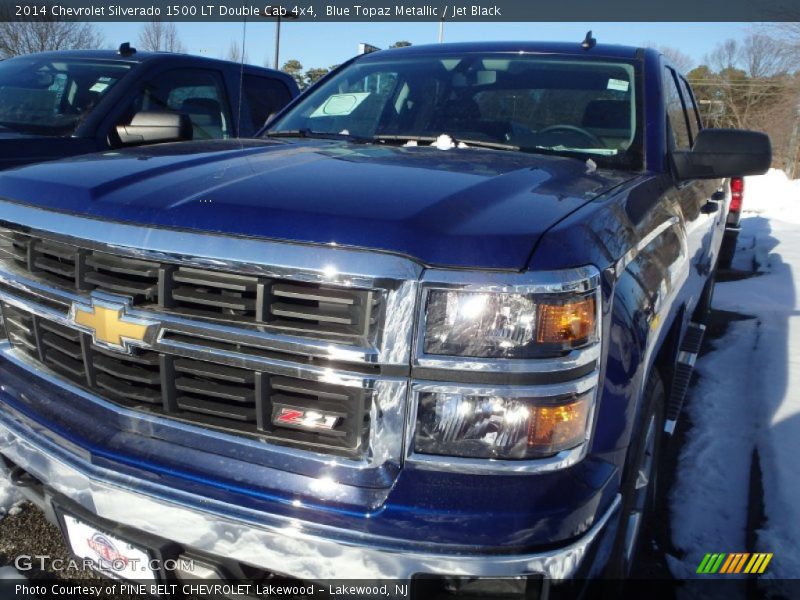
x=555, y=428
x=568, y=322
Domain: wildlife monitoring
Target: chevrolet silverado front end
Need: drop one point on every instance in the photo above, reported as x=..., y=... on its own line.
x=363, y=348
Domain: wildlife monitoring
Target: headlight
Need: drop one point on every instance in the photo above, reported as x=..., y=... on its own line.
x=507, y=325
x=479, y=426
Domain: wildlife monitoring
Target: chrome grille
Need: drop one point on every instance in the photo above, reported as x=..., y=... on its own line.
x=238, y=400
x=120, y=275
x=19, y=328
x=128, y=378
x=56, y=260
x=60, y=348
x=283, y=327
x=215, y=390
x=310, y=310
x=213, y=293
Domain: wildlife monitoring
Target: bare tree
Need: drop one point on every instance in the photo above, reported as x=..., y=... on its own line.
x=236, y=53
x=758, y=55
x=157, y=36
x=751, y=78
x=791, y=29
x=681, y=61
x=753, y=84
x=25, y=37
x=724, y=56
x=766, y=56
x=788, y=33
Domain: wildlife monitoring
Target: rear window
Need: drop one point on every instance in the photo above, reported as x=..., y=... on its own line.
x=264, y=97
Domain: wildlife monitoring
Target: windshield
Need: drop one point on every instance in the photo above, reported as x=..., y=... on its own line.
x=52, y=96
x=529, y=103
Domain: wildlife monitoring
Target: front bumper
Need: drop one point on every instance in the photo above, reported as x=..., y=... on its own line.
x=285, y=546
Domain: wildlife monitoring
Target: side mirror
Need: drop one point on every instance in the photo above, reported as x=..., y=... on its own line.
x=269, y=118
x=719, y=153
x=155, y=127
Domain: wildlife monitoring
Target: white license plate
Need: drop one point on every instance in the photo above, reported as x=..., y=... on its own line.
x=109, y=554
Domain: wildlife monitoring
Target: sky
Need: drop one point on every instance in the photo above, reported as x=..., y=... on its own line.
x=326, y=44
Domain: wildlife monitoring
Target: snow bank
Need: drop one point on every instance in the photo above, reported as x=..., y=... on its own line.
x=773, y=194
x=748, y=397
x=9, y=498
x=709, y=498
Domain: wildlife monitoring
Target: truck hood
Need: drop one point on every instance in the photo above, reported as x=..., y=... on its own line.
x=21, y=149
x=461, y=207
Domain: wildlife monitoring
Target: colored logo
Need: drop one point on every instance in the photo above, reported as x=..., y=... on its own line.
x=304, y=419
x=110, y=327
x=735, y=562
x=106, y=550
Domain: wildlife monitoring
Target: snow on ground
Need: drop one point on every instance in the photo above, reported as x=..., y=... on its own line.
x=748, y=397
x=9, y=498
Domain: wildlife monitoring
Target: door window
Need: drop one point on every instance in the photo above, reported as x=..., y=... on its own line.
x=195, y=92
x=691, y=108
x=678, y=135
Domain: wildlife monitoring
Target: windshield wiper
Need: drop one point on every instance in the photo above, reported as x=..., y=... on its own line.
x=492, y=145
x=318, y=135
x=403, y=138
x=396, y=138
x=597, y=151
x=456, y=141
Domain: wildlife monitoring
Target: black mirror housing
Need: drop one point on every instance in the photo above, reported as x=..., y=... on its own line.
x=155, y=127
x=269, y=118
x=719, y=153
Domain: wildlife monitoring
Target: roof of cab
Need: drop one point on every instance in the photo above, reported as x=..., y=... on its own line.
x=568, y=48
x=138, y=56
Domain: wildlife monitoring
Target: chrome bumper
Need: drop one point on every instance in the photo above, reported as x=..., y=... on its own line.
x=286, y=546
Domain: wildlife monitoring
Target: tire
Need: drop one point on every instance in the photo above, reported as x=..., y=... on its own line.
x=640, y=483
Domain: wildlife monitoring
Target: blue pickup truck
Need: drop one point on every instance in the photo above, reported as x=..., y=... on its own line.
x=430, y=325
x=60, y=104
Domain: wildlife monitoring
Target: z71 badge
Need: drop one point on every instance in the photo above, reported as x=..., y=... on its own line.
x=308, y=419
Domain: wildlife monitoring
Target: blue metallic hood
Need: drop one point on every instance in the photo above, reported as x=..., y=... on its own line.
x=463, y=207
x=21, y=148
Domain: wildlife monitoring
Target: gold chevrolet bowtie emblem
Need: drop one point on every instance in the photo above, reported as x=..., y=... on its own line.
x=110, y=327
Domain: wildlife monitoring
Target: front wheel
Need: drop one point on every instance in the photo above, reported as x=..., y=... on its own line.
x=640, y=483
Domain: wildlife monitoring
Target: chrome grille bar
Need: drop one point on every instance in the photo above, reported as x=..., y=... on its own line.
x=235, y=399
x=221, y=372
x=313, y=310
